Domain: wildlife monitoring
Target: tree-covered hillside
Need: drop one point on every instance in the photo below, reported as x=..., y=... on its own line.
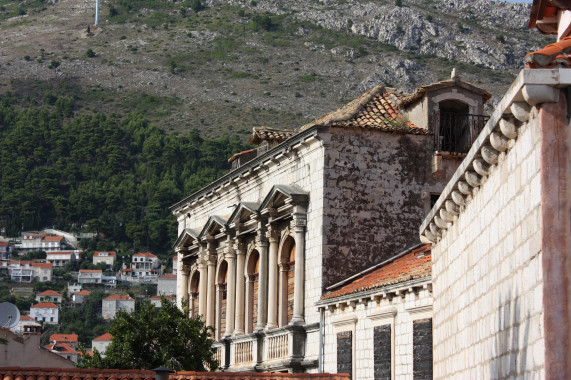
x=97, y=172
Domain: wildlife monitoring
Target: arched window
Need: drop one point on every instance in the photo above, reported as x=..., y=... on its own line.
x=287, y=281
x=194, y=291
x=454, y=128
x=252, y=287
x=221, y=284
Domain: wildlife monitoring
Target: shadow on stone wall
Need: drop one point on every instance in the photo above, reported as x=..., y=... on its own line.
x=509, y=354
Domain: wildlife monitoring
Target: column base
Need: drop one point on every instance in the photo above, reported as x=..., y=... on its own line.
x=271, y=326
x=297, y=321
x=238, y=332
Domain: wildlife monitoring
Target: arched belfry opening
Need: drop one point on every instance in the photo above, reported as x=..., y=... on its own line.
x=454, y=130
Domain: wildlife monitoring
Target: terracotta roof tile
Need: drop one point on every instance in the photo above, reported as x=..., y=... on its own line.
x=42, y=265
x=52, y=238
x=90, y=271
x=60, y=253
x=45, y=305
x=121, y=297
x=26, y=318
x=84, y=292
x=414, y=264
x=553, y=55
x=270, y=134
x=168, y=277
x=145, y=254
x=419, y=93
x=70, y=338
x=105, y=336
x=49, y=293
x=61, y=348
x=235, y=156
x=378, y=108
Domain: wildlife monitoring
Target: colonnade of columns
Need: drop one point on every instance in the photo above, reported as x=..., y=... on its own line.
x=240, y=283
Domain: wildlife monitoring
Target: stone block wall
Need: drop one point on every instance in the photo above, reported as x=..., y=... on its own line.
x=376, y=194
x=371, y=323
x=487, y=270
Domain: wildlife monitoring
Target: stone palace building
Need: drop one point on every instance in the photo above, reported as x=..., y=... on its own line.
x=307, y=209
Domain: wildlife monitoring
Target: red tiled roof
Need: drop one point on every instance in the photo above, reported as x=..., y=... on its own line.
x=90, y=271
x=45, y=305
x=49, y=293
x=168, y=276
x=84, y=292
x=266, y=134
x=126, y=270
x=145, y=254
x=235, y=156
x=553, y=55
x=378, y=109
x=42, y=265
x=26, y=318
x=110, y=253
x=414, y=264
x=60, y=253
x=159, y=297
x=540, y=10
x=52, y=238
x=61, y=348
x=121, y=297
x=35, y=373
x=71, y=338
x=105, y=336
x=3, y=244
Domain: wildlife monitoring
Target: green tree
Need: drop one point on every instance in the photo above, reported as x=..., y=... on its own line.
x=151, y=337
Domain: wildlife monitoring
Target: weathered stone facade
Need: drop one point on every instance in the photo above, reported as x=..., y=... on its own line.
x=495, y=243
x=257, y=248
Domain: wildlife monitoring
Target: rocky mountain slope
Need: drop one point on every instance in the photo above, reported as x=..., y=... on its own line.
x=225, y=66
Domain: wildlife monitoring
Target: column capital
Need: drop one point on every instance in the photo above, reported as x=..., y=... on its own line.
x=240, y=248
x=273, y=235
x=283, y=267
x=298, y=223
x=211, y=260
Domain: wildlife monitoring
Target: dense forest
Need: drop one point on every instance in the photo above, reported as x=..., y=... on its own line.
x=102, y=173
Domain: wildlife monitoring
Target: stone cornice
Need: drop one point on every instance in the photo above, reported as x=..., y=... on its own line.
x=531, y=87
x=295, y=142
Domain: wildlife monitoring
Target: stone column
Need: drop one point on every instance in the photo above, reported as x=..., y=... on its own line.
x=218, y=310
x=231, y=289
x=263, y=279
x=240, y=262
x=282, y=295
x=299, y=223
x=210, y=295
x=273, y=237
x=181, y=282
x=202, y=291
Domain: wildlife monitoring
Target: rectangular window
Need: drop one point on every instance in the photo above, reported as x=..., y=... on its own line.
x=422, y=349
x=345, y=353
x=382, y=352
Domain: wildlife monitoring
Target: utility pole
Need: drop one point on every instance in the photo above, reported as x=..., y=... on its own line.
x=96, y=12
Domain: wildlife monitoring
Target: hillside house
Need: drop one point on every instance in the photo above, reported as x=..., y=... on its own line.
x=25, y=351
x=46, y=312
x=27, y=271
x=90, y=276
x=79, y=297
x=101, y=343
x=6, y=250
x=112, y=304
x=501, y=230
x=49, y=296
x=258, y=248
x=54, y=243
x=60, y=258
x=26, y=325
x=107, y=257
x=145, y=267
x=166, y=285
x=64, y=345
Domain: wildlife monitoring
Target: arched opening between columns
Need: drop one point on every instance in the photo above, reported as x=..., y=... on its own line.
x=286, y=281
x=193, y=292
x=454, y=128
x=252, y=290
x=221, y=296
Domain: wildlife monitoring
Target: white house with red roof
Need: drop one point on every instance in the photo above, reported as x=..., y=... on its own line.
x=112, y=304
x=90, y=276
x=46, y=312
x=166, y=285
x=53, y=243
x=60, y=258
x=101, y=343
x=64, y=345
x=49, y=296
x=26, y=325
x=79, y=297
x=26, y=271
x=107, y=257
x=146, y=267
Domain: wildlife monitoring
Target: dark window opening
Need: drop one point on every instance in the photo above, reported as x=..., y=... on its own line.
x=433, y=199
x=382, y=352
x=345, y=353
x=422, y=349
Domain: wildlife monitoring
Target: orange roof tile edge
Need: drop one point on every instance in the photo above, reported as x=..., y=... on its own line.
x=414, y=264
x=45, y=304
x=552, y=55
